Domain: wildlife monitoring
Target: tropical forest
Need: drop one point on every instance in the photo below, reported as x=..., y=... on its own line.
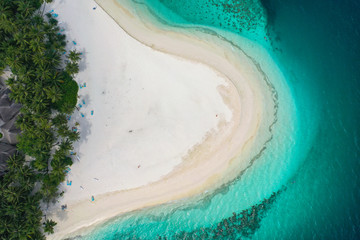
x=41, y=80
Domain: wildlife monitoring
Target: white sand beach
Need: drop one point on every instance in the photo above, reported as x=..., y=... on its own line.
x=173, y=115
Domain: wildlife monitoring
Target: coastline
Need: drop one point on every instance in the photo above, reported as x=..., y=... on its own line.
x=219, y=158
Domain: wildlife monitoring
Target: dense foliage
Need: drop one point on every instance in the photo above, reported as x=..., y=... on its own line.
x=19, y=206
x=33, y=47
x=69, y=89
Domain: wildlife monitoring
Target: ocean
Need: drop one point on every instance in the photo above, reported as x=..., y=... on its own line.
x=305, y=184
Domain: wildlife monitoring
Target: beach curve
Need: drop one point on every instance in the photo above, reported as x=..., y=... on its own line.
x=219, y=158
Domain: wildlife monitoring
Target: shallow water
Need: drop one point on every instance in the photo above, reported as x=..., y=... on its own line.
x=313, y=157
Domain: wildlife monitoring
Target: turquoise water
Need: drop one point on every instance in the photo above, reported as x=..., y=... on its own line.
x=312, y=162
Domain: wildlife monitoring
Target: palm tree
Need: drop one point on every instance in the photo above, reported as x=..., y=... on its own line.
x=74, y=56
x=49, y=226
x=5, y=23
x=59, y=120
x=53, y=94
x=26, y=75
x=40, y=165
x=25, y=8
x=43, y=72
x=72, y=68
x=39, y=59
x=54, y=58
x=66, y=146
x=12, y=59
x=74, y=136
x=15, y=162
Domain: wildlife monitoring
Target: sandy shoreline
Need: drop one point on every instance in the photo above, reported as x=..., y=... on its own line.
x=222, y=154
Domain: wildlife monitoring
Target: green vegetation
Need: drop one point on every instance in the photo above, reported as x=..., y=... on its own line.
x=69, y=90
x=19, y=206
x=32, y=46
x=49, y=226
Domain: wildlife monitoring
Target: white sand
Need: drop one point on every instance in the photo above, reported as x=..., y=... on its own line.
x=156, y=116
x=149, y=108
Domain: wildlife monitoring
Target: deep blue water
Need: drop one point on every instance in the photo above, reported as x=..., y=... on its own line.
x=317, y=45
x=322, y=38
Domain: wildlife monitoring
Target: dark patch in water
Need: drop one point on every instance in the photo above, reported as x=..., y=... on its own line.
x=232, y=15
x=240, y=225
